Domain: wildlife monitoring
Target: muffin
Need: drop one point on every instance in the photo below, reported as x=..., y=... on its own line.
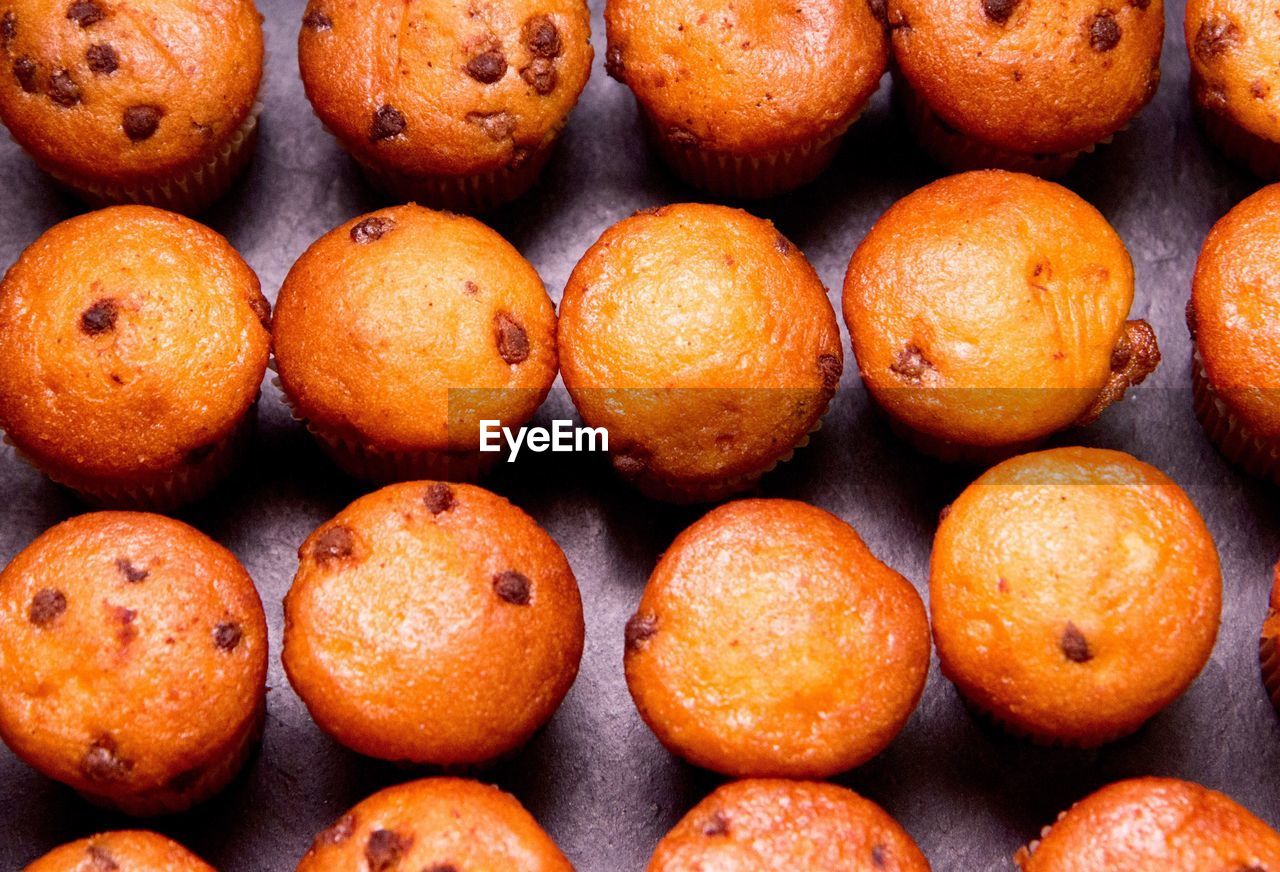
x=787, y=825
x=432, y=624
x=1234, y=317
x=805, y=660
x=133, y=343
x=987, y=311
x=1154, y=825
x=704, y=342
x=442, y=101
x=1234, y=47
x=436, y=824
x=125, y=851
x=1017, y=85
x=396, y=334
x=747, y=99
x=1075, y=593
x=133, y=661
x=1269, y=647
x=148, y=101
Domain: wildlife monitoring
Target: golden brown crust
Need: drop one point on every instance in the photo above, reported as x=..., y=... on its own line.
x=1234, y=46
x=1027, y=76
x=1099, y=606
x=127, y=851
x=129, y=93
x=750, y=77
x=125, y=369
x=763, y=825
x=359, y=359
x=445, y=87
x=436, y=824
x=432, y=623
x=806, y=662
x=133, y=658
x=704, y=341
x=989, y=309
x=1154, y=825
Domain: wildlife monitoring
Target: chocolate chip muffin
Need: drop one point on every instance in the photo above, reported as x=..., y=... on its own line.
x=437, y=825
x=747, y=99
x=785, y=825
x=121, y=852
x=1021, y=85
x=805, y=661
x=988, y=310
x=133, y=343
x=704, y=342
x=1234, y=47
x=442, y=101
x=432, y=624
x=1075, y=594
x=399, y=332
x=1154, y=825
x=144, y=101
x=133, y=661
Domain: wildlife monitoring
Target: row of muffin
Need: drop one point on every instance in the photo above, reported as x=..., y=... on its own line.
x=157, y=104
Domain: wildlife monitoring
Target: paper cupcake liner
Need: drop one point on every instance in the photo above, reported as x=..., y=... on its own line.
x=1251, y=453
x=1260, y=156
x=1023, y=855
x=1269, y=658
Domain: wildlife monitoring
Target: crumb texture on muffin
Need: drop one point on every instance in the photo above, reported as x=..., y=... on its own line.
x=126, y=851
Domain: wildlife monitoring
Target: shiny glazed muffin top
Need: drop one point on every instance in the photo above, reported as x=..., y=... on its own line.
x=127, y=851
x=1235, y=61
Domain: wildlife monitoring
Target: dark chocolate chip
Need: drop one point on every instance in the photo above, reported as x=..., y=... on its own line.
x=102, y=762
x=999, y=11
x=99, y=318
x=783, y=245
x=640, y=629
x=388, y=122
x=384, y=850
x=317, y=20
x=1104, y=32
x=341, y=830
x=542, y=37
x=512, y=587
x=613, y=64
x=471, y=289
x=335, y=543
x=1140, y=4
x=8, y=29
x=372, y=229
x=63, y=89
x=441, y=867
x=716, y=825
x=103, y=59
x=100, y=860
x=85, y=13
x=46, y=606
x=879, y=11
x=831, y=368
x=261, y=307
x=513, y=342
x=878, y=856
x=131, y=573
x=439, y=498
x=681, y=138
x=911, y=365
x=1215, y=37
x=487, y=67
x=227, y=636
x=1074, y=645
x=496, y=125
x=25, y=70
x=541, y=76
x=141, y=122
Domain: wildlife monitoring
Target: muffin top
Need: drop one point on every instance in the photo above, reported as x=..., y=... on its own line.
x=1154, y=825
x=432, y=623
x=132, y=649
x=405, y=328
x=127, y=851
x=988, y=308
x=1235, y=310
x=805, y=661
x=702, y=339
x=764, y=824
x=436, y=824
x=1235, y=61
x=445, y=87
x=1075, y=593
x=128, y=91
x=133, y=363
x=1029, y=76
x=752, y=76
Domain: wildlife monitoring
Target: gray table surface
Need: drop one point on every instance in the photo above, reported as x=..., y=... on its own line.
x=596, y=778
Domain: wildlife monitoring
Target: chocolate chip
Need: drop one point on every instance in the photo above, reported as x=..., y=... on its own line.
x=613, y=64
x=1259, y=89
x=879, y=11
x=1104, y=32
x=100, y=860
x=388, y=122
x=103, y=60
x=261, y=308
x=542, y=37
x=541, y=76
x=1074, y=645
x=317, y=20
x=1140, y=4
x=141, y=122
x=102, y=762
x=441, y=867
x=471, y=289
x=227, y=636
x=99, y=318
x=8, y=29
x=439, y=498
x=878, y=856
x=681, y=138
x=85, y=13
x=999, y=11
x=512, y=587
x=63, y=89
x=496, y=125
x=487, y=67
x=716, y=825
x=131, y=573
x=342, y=830
x=1215, y=37
x=911, y=365
x=783, y=245
x=640, y=629
x=335, y=543
x=46, y=606
x=25, y=70
x=372, y=229
x=513, y=342
x=831, y=368
x=384, y=849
